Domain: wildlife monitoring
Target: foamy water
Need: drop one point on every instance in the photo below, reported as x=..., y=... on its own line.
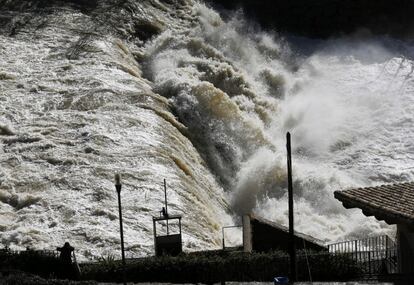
x=348, y=106
x=68, y=125
x=204, y=103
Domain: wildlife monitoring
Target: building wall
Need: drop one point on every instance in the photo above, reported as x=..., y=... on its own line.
x=405, y=240
x=266, y=238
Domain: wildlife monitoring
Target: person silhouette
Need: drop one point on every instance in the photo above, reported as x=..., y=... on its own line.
x=66, y=253
x=164, y=213
x=67, y=269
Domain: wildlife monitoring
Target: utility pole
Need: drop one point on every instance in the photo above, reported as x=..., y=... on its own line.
x=292, y=250
x=118, y=187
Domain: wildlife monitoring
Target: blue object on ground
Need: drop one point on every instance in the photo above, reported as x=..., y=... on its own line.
x=281, y=280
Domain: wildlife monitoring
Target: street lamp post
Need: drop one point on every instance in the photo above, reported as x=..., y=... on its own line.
x=292, y=249
x=118, y=187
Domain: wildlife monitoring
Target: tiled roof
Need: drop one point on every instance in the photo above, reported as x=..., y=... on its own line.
x=392, y=203
x=285, y=229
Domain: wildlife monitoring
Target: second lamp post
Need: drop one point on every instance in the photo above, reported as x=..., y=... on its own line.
x=118, y=187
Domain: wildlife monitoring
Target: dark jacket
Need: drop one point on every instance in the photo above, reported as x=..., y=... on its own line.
x=66, y=253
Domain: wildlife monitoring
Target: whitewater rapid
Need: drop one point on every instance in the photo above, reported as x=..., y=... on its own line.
x=347, y=103
x=158, y=90
x=75, y=110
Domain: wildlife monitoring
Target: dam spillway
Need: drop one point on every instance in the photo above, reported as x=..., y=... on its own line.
x=170, y=89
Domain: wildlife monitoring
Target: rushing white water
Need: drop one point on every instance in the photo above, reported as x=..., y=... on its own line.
x=174, y=91
x=348, y=106
x=68, y=124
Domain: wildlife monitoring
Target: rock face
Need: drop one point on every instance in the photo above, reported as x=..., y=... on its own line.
x=75, y=109
x=325, y=18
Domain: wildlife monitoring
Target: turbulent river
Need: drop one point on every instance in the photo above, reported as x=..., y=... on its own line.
x=171, y=90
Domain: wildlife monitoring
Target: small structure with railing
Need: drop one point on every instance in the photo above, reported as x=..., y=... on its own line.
x=168, y=238
x=167, y=231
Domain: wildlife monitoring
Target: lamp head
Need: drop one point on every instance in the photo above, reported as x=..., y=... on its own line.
x=117, y=179
x=118, y=184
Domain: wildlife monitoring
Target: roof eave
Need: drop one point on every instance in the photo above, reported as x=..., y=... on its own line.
x=369, y=210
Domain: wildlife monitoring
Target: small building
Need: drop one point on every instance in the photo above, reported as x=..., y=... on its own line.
x=169, y=241
x=393, y=204
x=262, y=235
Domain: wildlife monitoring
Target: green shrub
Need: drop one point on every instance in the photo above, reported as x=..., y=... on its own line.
x=200, y=267
x=207, y=267
x=327, y=267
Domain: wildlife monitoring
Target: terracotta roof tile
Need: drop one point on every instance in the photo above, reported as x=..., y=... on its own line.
x=393, y=203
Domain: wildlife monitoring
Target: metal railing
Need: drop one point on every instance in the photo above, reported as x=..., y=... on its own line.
x=223, y=237
x=374, y=255
x=43, y=252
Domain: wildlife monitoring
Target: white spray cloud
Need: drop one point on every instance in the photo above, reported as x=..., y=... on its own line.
x=239, y=92
x=345, y=105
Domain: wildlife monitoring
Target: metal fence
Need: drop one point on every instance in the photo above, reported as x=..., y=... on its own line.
x=43, y=252
x=229, y=245
x=374, y=255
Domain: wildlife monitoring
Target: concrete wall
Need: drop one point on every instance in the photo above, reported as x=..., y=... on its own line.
x=247, y=234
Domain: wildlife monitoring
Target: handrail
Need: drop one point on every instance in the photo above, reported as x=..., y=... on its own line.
x=383, y=242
